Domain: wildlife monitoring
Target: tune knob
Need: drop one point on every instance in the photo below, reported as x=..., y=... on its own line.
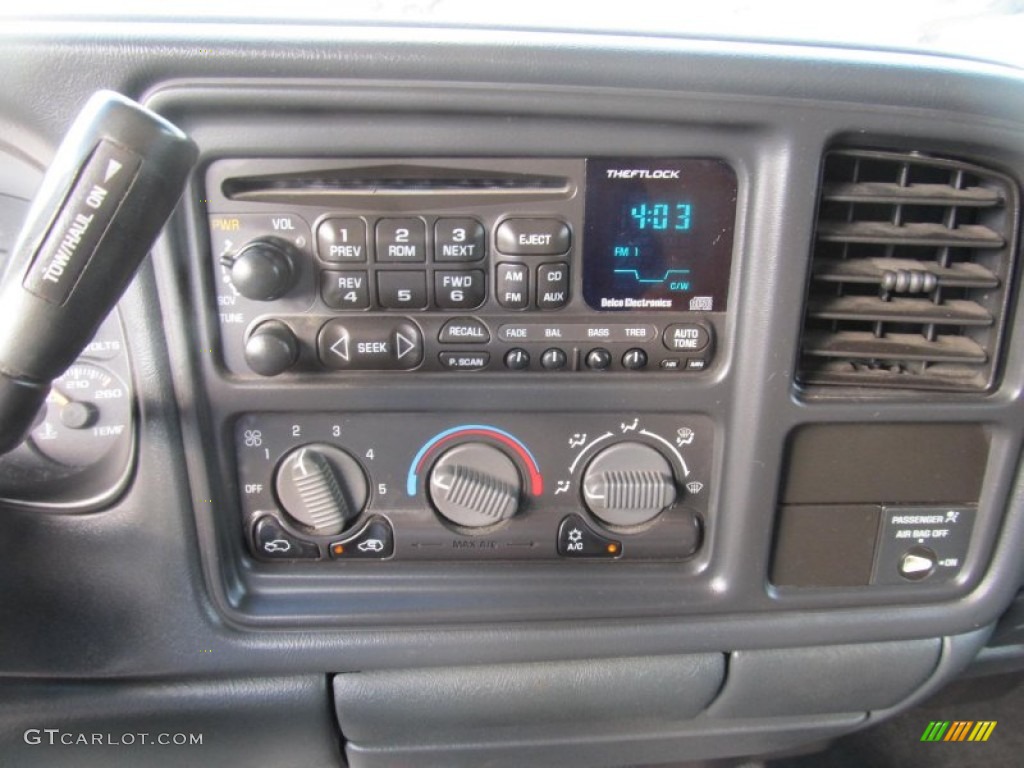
x=271, y=348
x=475, y=485
x=628, y=484
x=263, y=270
x=321, y=488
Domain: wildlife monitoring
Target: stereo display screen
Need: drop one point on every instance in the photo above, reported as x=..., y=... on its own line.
x=658, y=234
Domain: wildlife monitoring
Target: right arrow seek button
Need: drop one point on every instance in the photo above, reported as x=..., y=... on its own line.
x=370, y=344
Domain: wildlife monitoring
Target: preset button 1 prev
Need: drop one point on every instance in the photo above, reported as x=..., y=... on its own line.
x=370, y=344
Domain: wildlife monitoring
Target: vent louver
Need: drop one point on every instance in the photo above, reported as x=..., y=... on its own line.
x=912, y=259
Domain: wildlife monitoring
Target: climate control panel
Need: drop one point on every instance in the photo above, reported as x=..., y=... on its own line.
x=340, y=486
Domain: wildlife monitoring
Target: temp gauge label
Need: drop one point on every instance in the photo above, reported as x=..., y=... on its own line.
x=658, y=234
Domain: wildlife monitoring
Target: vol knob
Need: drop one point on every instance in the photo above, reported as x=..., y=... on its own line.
x=475, y=485
x=628, y=484
x=263, y=270
x=321, y=488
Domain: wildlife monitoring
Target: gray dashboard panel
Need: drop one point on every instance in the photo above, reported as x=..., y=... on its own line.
x=151, y=585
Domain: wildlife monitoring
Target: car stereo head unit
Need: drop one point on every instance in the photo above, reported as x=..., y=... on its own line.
x=600, y=264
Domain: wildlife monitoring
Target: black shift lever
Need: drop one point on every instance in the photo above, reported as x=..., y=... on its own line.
x=114, y=181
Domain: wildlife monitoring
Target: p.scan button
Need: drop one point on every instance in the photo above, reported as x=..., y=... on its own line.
x=370, y=344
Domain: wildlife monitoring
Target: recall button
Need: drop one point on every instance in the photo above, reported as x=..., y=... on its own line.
x=464, y=330
x=464, y=361
x=533, y=237
x=370, y=344
x=686, y=337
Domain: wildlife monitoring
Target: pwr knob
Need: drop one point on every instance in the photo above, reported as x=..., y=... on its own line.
x=628, y=484
x=263, y=270
x=475, y=485
x=321, y=488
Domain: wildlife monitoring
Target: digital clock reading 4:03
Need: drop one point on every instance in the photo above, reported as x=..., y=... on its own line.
x=657, y=216
x=658, y=234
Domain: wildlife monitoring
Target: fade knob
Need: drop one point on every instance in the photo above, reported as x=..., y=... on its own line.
x=321, y=488
x=628, y=484
x=475, y=485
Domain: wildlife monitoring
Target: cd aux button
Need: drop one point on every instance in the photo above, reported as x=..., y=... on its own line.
x=552, y=285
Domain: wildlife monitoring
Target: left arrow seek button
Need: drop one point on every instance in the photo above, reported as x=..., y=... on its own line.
x=370, y=344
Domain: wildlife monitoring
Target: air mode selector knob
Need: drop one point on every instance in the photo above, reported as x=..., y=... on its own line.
x=628, y=484
x=321, y=488
x=263, y=270
x=475, y=485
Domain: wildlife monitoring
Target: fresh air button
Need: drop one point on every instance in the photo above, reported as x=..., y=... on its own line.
x=402, y=290
x=81, y=222
x=533, y=237
x=577, y=539
x=342, y=240
x=686, y=337
x=458, y=240
x=464, y=361
x=374, y=541
x=370, y=344
x=552, y=285
x=345, y=290
x=463, y=289
x=272, y=542
x=401, y=240
x=464, y=330
x=513, y=287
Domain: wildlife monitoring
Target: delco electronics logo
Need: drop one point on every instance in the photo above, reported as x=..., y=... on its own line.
x=638, y=173
x=959, y=730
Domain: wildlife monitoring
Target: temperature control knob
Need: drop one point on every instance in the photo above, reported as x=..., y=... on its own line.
x=475, y=485
x=321, y=488
x=628, y=484
x=263, y=270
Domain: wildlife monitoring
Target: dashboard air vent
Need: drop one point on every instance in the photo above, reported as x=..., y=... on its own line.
x=912, y=259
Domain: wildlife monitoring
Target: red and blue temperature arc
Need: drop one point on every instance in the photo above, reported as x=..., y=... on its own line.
x=476, y=430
